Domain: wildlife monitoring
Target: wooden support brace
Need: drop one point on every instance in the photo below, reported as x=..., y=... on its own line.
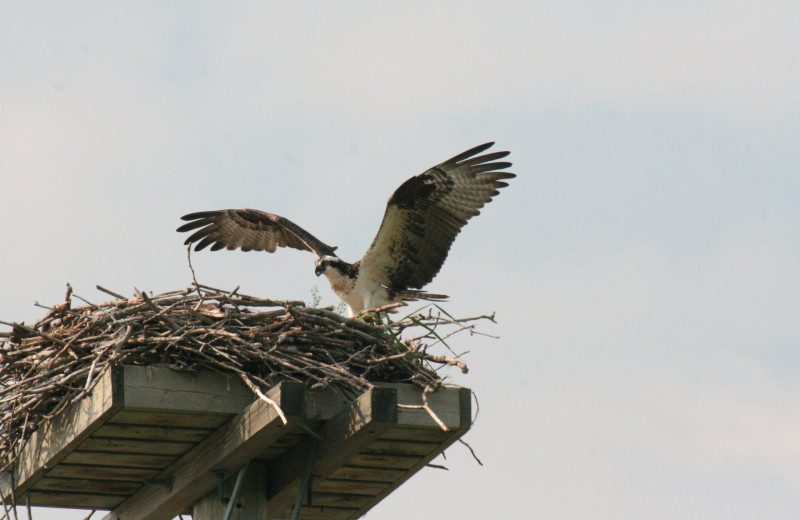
x=150, y=444
x=229, y=448
x=340, y=438
x=249, y=503
x=56, y=439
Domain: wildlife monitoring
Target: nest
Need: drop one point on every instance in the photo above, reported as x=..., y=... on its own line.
x=55, y=362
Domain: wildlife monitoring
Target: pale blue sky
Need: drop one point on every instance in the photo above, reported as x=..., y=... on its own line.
x=644, y=265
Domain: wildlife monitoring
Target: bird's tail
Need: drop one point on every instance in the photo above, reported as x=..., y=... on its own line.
x=399, y=299
x=412, y=295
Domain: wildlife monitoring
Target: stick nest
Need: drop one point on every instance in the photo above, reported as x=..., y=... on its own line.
x=48, y=366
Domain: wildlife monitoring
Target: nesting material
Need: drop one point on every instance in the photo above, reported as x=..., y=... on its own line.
x=55, y=362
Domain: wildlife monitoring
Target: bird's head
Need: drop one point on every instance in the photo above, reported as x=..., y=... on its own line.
x=324, y=263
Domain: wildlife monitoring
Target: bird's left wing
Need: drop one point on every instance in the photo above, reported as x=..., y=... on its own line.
x=426, y=213
x=249, y=230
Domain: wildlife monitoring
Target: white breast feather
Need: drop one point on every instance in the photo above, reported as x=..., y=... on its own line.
x=366, y=293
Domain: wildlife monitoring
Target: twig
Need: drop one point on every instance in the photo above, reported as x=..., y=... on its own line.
x=191, y=268
x=112, y=293
x=87, y=302
x=61, y=359
x=437, y=466
x=263, y=397
x=462, y=441
x=449, y=361
x=29, y=330
x=428, y=409
x=378, y=310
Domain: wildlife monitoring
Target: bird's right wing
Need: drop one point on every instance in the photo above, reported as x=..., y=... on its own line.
x=249, y=230
x=425, y=214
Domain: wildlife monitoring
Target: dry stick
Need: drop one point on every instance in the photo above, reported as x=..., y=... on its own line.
x=52, y=314
x=462, y=441
x=112, y=293
x=191, y=268
x=263, y=397
x=378, y=310
x=461, y=328
x=117, y=346
x=87, y=302
x=24, y=427
x=352, y=322
x=6, y=516
x=427, y=408
x=477, y=407
x=91, y=371
x=436, y=466
x=449, y=361
x=425, y=393
x=14, y=504
x=33, y=331
x=174, y=326
x=324, y=354
x=260, y=302
x=320, y=320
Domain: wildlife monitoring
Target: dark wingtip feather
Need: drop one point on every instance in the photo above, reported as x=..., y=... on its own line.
x=469, y=153
x=480, y=148
x=196, y=220
x=478, y=168
x=200, y=214
x=499, y=165
x=504, y=175
x=205, y=242
x=191, y=225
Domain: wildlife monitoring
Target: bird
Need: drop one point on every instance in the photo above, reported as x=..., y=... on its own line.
x=422, y=219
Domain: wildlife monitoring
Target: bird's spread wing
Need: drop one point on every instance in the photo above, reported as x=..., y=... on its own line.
x=426, y=213
x=249, y=230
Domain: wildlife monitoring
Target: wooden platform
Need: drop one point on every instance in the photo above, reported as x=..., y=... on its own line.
x=150, y=443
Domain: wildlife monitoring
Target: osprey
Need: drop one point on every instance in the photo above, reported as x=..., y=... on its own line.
x=422, y=219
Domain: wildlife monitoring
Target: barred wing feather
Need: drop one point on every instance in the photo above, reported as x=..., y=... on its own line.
x=426, y=213
x=249, y=230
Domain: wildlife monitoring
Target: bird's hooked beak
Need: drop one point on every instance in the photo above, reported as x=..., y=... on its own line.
x=319, y=269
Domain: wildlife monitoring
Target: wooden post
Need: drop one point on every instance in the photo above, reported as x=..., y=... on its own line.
x=251, y=502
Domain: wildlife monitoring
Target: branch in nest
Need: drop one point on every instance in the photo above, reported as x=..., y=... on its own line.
x=62, y=357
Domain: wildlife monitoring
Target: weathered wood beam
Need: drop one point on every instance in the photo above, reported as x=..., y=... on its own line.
x=452, y=405
x=76, y=500
x=159, y=433
x=251, y=502
x=338, y=440
x=102, y=451
x=240, y=440
x=211, y=396
x=155, y=389
x=448, y=404
x=55, y=439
